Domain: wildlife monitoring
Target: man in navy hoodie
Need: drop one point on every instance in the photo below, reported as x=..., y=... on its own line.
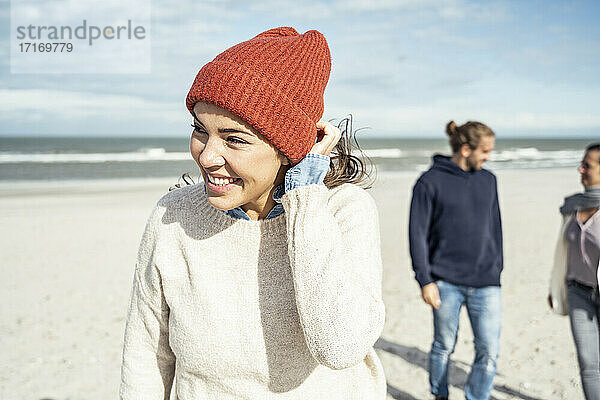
x=455, y=237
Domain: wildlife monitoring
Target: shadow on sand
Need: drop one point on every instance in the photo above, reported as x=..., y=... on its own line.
x=457, y=373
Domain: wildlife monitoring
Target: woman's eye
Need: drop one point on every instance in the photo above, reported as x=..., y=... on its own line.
x=235, y=140
x=198, y=129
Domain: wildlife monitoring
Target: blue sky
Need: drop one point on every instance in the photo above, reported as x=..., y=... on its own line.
x=401, y=67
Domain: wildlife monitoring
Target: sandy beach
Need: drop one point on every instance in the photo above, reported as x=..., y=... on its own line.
x=68, y=253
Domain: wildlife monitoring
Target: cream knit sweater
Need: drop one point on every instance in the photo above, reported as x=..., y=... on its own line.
x=284, y=308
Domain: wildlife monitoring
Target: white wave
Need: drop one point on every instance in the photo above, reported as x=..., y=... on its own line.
x=384, y=153
x=525, y=156
x=145, y=154
x=533, y=154
x=532, y=164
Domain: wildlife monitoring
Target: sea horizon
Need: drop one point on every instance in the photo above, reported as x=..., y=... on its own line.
x=67, y=158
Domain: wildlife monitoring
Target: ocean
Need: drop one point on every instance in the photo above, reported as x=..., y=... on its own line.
x=68, y=158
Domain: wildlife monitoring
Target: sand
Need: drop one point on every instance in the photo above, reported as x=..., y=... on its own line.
x=68, y=252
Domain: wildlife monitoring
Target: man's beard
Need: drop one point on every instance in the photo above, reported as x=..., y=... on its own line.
x=472, y=165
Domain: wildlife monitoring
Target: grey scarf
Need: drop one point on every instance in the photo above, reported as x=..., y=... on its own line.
x=590, y=198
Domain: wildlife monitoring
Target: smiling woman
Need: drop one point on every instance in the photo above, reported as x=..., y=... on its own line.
x=264, y=280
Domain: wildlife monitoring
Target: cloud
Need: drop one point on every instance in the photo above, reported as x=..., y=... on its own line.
x=379, y=5
x=407, y=9
x=28, y=103
x=436, y=35
x=415, y=119
x=325, y=9
x=293, y=9
x=78, y=107
x=73, y=11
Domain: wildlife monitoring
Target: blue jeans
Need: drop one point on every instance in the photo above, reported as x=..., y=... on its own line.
x=584, y=312
x=484, y=306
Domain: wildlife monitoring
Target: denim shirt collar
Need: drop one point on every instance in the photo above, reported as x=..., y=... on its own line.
x=277, y=209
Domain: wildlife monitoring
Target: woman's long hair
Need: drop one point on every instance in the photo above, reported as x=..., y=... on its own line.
x=348, y=163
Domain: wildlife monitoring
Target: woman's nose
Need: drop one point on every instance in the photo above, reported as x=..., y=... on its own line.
x=211, y=155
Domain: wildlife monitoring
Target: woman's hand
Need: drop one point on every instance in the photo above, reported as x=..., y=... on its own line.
x=327, y=137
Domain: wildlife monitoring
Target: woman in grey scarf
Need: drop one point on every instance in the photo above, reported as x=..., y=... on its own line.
x=574, y=283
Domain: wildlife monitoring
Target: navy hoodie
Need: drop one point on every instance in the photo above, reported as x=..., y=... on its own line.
x=455, y=230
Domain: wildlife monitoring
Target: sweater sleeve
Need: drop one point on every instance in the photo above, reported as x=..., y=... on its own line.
x=335, y=256
x=421, y=209
x=148, y=364
x=497, y=227
x=558, y=287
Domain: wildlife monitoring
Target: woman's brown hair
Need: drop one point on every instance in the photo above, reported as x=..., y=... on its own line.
x=346, y=167
x=469, y=133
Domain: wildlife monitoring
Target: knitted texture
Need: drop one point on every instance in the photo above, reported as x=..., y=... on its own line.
x=284, y=308
x=275, y=82
x=558, y=283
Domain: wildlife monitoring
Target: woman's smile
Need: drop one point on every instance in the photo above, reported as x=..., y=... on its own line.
x=219, y=183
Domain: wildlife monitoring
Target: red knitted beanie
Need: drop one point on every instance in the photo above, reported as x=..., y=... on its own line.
x=275, y=82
